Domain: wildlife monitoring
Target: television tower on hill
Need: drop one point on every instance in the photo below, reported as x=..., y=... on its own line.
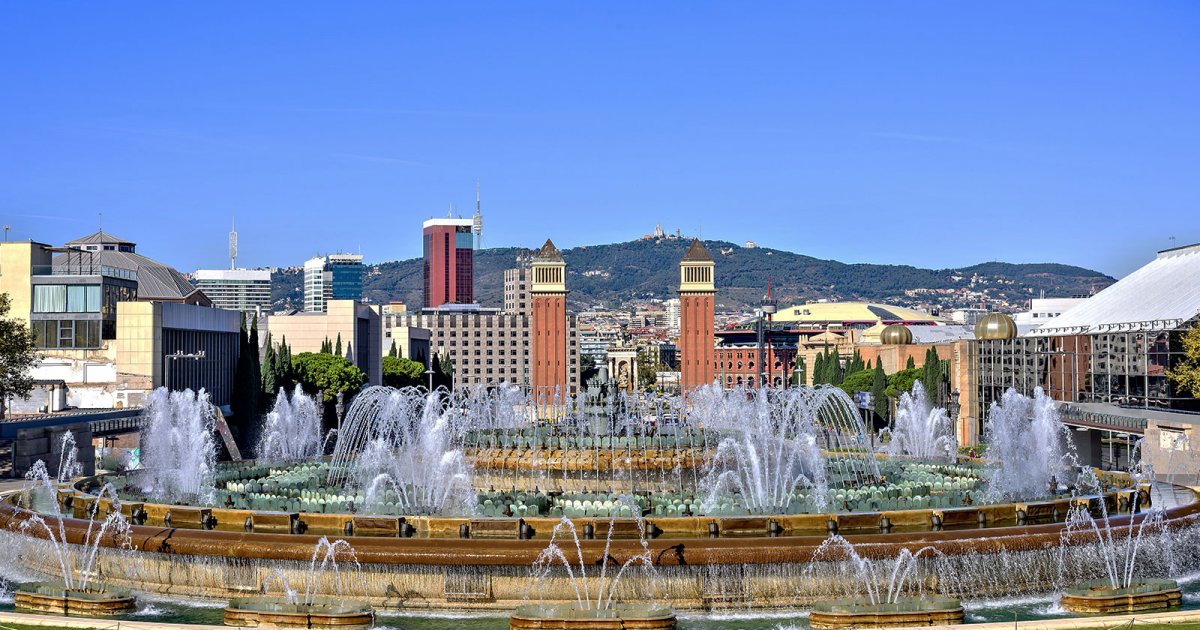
x=477, y=220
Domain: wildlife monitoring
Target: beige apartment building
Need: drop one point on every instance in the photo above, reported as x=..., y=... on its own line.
x=359, y=326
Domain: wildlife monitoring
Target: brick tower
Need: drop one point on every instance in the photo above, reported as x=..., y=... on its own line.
x=548, y=323
x=697, y=361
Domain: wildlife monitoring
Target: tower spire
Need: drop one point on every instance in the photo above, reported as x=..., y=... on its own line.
x=233, y=245
x=477, y=223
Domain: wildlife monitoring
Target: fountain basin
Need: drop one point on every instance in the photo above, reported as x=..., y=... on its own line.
x=55, y=597
x=859, y=612
x=572, y=617
x=1099, y=596
x=276, y=612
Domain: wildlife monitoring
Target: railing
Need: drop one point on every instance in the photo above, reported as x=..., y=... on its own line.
x=84, y=269
x=1125, y=424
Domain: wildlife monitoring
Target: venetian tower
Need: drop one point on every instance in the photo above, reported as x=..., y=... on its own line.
x=697, y=291
x=548, y=313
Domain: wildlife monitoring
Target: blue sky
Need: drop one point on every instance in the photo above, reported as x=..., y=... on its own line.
x=932, y=134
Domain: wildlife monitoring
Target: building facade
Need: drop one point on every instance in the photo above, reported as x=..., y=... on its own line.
x=550, y=343
x=485, y=346
x=243, y=290
x=332, y=277
x=697, y=292
x=449, y=262
x=516, y=290
x=359, y=326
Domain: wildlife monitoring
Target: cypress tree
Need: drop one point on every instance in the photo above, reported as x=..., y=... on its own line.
x=270, y=369
x=338, y=348
x=256, y=365
x=819, y=369
x=393, y=351
x=910, y=364
x=878, y=389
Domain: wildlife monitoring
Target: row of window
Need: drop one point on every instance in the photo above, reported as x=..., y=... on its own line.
x=66, y=298
x=66, y=333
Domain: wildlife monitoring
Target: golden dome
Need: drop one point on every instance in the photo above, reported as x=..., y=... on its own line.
x=996, y=326
x=895, y=335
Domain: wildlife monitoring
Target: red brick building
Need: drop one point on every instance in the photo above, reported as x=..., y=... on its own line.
x=549, y=327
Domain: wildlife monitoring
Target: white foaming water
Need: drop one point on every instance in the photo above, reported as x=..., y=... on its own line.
x=292, y=429
x=772, y=452
x=1027, y=446
x=179, y=453
x=397, y=447
x=921, y=430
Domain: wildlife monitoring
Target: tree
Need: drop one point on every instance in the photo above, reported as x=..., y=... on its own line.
x=859, y=381
x=401, y=372
x=902, y=382
x=318, y=371
x=587, y=368
x=16, y=356
x=856, y=363
x=647, y=374
x=910, y=364
x=270, y=370
x=819, y=368
x=393, y=352
x=800, y=374
x=337, y=350
x=1186, y=371
x=879, y=400
x=256, y=364
x=931, y=374
x=247, y=389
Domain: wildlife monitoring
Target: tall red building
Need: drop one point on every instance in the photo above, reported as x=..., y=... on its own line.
x=449, y=262
x=696, y=314
x=548, y=315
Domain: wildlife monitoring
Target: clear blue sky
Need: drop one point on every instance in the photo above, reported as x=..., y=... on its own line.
x=932, y=134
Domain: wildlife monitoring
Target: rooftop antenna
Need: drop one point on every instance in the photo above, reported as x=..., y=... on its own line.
x=6, y=229
x=100, y=221
x=477, y=224
x=233, y=245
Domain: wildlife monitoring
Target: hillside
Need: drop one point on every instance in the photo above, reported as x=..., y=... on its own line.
x=618, y=272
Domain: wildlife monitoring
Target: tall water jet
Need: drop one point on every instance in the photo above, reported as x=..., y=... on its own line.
x=772, y=455
x=403, y=453
x=292, y=429
x=179, y=452
x=74, y=592
x=1027, y=447
x=921, y=430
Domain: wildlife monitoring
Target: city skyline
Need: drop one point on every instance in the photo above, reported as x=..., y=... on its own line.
x=846, y=134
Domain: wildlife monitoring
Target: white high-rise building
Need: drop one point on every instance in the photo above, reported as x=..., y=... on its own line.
x=236, y=289
x=672, y=307
x=317, y=284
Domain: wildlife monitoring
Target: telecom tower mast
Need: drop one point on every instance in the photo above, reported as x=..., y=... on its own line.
x=233, y=247
x=477, y=226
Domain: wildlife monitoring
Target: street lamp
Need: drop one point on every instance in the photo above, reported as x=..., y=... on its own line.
x=175, y=356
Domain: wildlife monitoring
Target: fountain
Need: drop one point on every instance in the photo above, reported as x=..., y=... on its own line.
x=449, y=498
x=179, y=451
x=1027, y=447
x=402, y=456
x=883, y=608
x=75, y=593
x=772, y=461
x=601, y=611
x=1120, y=590
x=306, y=610
x=920, y=429
x=292, y=429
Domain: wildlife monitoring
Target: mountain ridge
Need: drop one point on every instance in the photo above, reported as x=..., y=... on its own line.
x=612, y=273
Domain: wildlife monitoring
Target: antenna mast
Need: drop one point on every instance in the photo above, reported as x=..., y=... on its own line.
x=233, y=246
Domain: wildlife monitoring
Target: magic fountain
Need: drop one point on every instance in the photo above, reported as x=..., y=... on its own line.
x=727, y=500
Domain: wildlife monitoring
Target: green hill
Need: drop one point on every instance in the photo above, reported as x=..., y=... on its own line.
x=619, y=272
